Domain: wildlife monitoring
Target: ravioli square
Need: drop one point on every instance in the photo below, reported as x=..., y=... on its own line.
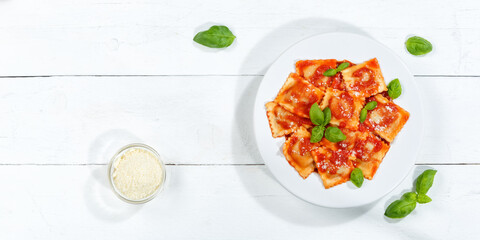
x=283, y=122
x=364, y=79
x=297, y=95
x=297, y=149
x=345, y=108
x=387, y=119
x=369, y=152
x=312, y=71
x=334, y=166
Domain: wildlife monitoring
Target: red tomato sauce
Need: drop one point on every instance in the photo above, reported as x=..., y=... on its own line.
x=389, y=113
x=300, y=65
x=340, y=62
x=360, y=150
x=373, y=64
x=385, y=94
x=362, y=127
x=331, y=164
x=337, y=82
x=302, y=97
x=304, y=145
x=365, y=81
x=343, y=108
x=288, y=120
x=319, y=72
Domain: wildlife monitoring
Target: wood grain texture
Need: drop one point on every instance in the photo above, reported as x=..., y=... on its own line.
x=155, y=37
x=85, y=120
x=220, y=202
x=67, y=128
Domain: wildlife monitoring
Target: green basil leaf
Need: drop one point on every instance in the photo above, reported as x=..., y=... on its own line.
x=342, y=66
x=418, y=46
x=394, y=88
x=317, y=134
x=334, y=134
x=215, y=37
x=412, y=196
x=363, y=115
x=330, y=72
x=400, y=208
x=327, y=114
x=356, y=177
x=425, y=181
x=422, y=198
x=316, y=114
x=371, y=105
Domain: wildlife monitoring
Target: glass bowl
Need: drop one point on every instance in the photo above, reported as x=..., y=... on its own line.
x=118, y=155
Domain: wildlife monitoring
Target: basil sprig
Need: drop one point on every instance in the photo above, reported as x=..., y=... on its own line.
x=368, y=107
x=394, y=88
x=331, y=72
x=356, y=177
x=418, y=46
x=215, y=37
x=408, y=202
x=320, y=119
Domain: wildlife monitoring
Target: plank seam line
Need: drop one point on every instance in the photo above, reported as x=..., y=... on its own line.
x=199, y=75
x=135, y=75
x=207, y=164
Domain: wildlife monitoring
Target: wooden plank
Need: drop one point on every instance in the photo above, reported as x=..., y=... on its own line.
x=86, y=120
x=450, y=110
x=79, y=120
x=220, y=202
x=155, y=37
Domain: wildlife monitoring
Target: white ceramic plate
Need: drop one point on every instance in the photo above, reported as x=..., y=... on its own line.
x=403, y=152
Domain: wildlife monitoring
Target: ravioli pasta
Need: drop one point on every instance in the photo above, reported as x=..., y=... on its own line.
x=297, y=149
x=346, y=94
x=283, y=122
x=297, y=95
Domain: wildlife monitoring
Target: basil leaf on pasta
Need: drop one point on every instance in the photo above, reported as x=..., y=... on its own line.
x=330, y=72
x=317, y=134
x=316, y=114
x=334, y=134
x=394, y=88
x=342, y=66
x=356, y=177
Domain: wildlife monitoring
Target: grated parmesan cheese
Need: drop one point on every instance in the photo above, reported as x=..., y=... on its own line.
x=137, y=174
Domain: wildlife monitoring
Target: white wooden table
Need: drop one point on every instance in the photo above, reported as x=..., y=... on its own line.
x=80, y=79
